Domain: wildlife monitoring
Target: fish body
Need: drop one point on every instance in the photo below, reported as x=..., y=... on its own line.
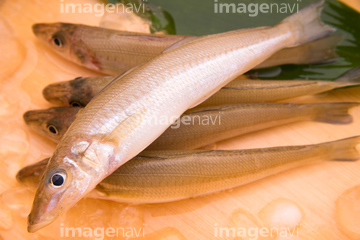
x=80, y=91
x=121, y=122
x=113, y=52
x=201, y=126
x=164, y=176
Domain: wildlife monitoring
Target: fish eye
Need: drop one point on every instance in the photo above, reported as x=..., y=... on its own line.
x=58, y=41
x=57, y=179
x=52, y=129
x=75, y=104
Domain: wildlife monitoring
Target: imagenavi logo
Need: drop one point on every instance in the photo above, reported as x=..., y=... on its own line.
x=253, y=9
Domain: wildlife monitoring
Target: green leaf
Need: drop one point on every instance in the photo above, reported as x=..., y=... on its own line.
x=159, y=19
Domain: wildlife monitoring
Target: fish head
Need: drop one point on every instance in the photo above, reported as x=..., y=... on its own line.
x=30, y=175
x=73, y=171
x=75, y=93
x=57, y=190
x=64, y=39
x=52, y=122
x=58, y=36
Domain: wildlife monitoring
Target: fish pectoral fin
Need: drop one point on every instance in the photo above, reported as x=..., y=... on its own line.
x=97, y=194
x=181, y=43
x=126, y=127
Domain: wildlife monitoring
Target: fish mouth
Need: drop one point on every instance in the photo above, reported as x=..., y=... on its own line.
x=39, y=28
x=35, y=118
x=44, y=30
x=30, y=176
x=33, y=227
x=32, y=118
x=38, y=117
x=56, y=93
x=39, y=217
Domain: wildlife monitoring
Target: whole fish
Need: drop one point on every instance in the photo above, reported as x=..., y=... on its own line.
x=163, y=176
x=114, y=52
x=201, y=126
x=80, y=91
x=121, y=121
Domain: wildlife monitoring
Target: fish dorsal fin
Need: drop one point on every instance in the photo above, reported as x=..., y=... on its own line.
x=182, y=43
x=122, y=130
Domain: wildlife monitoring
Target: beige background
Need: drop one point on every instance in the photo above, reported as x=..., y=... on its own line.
x=27, y=66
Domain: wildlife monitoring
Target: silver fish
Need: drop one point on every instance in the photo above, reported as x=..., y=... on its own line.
x=80, y=91
x=114, y=52
x=201, y=126
x=121, y=121
x=164, y=176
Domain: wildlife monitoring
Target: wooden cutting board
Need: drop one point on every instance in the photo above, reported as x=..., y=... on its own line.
x=319, y=201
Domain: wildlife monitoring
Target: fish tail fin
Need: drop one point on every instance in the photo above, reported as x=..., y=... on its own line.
x=335, y=113
x=322, y=50
x=307, y=24
x=352, y=76
x=315, y=52
x=347, y=149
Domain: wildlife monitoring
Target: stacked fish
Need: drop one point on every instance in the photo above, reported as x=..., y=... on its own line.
x=106, y=122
